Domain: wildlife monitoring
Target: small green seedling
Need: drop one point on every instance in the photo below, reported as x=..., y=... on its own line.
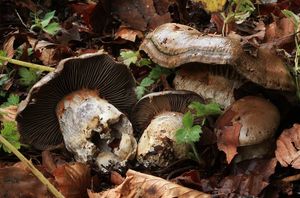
x=45, y=23
x=10, y=133
x=28, y=76
x=133, y=57
x=296, y=70
x=13, y=99
x=238, y=11
x=190, y=133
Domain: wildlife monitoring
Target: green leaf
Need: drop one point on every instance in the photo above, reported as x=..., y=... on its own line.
x=13, y=99
x=47, y=18
x=203, y=110
x=140, y=91
x=188, y=120
x=2, y=53
x=144, y=62
x=157, y=71
x=146, y=82
x=3, y=79
x=28, y=77
x=129, y=57
x=188, y=135
x=52, y=28
x=10, y=133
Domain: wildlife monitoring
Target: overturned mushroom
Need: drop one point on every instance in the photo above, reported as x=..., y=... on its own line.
x=247, y=122
x=171, y=45
x=210, y=82
x=83, y=104
x=158, y=116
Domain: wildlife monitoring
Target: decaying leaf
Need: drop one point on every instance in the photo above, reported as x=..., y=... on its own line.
x=8, y=114
x=228, y=140
x=17, y=181
x=288, y=147
x=73, y=180
x=128, y=34
x=147, y=186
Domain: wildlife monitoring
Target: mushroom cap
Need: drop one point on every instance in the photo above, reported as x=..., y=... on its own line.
x=171, y=45
x=37, y=120
x=212, y=83
x=257, y=117
x=154, y=104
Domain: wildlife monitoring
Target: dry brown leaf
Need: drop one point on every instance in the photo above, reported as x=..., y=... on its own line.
x=128, y=34
x=147, y=186
x=18, y=181
x=228, y=140
x=139, y=15
x=73, y=180
x=288, y=147
x=8, y=114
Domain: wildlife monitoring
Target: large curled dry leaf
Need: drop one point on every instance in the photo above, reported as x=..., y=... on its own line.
x=73, y=180
x=147, y=186
x=288, y=147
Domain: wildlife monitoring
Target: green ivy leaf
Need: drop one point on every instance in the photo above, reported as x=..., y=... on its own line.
x=146, y=82
x=129, y=57
x=157, y=71
x=188, y=120
x=203, y=110
x=47, y=18
x=10, y=133
x=28, y=76
x=140, y=91
x=52, y=28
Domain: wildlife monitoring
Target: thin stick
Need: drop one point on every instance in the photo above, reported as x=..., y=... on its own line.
x=26, y=64
x=35, y=171
x=291, y=178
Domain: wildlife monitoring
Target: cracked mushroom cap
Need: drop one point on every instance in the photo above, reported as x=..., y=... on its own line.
x=154, y=104
x=37, y=120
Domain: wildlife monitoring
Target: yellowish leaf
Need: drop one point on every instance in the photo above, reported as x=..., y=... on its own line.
x=212, y=5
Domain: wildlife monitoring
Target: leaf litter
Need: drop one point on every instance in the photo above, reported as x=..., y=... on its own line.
x=45, y=33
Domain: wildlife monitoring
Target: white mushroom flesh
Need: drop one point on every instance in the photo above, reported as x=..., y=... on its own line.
x=87, y=116
x=157, y=145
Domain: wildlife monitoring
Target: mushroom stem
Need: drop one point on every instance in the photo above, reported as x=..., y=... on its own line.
x=84, y=117
x=27, y=64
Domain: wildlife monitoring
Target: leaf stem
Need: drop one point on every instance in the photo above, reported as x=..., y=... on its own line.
x=27, y=64
x=198, y=158
x=35, y=171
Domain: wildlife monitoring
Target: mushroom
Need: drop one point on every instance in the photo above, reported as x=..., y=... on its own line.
x=172, y=45
x=158, y=116
x=82, y=104
x=247, y=122
x=210, y=82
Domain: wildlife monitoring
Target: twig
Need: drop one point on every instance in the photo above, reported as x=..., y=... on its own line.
x=20, y=18
x=35, y=171
x=291, y=178
x=27, y=64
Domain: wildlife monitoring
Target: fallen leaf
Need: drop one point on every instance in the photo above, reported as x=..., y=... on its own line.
x=288, y=147
x=8, y=114
x=73, y=180
x=18, y=181
x=212, y=5
x=228, y=140
x=128, y=34
x=142, y=185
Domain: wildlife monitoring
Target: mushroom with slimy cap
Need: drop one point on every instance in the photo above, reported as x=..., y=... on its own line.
x=247, y=123
x=158, y=116
x=82, y=104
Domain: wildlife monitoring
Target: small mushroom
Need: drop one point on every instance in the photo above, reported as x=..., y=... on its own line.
x=213, y=83
x=172, y=45
x=158, y=116
x=248, y=121
x=82, y=104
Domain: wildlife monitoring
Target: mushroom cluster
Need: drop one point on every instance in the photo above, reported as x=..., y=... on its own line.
x=82, y=104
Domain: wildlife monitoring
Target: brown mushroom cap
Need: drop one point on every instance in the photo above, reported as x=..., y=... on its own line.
x=257, y=117
x=155, y=103
x=172, y=45
x=37, y=119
